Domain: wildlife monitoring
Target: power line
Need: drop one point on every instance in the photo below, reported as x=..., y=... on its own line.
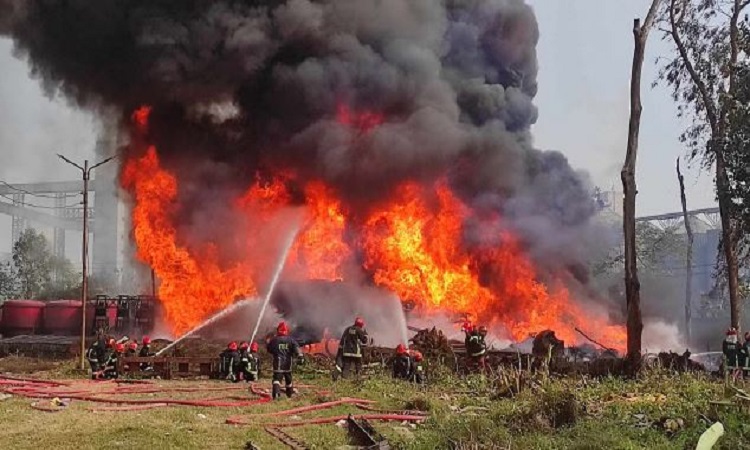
x=35, y=194
x=32, y=205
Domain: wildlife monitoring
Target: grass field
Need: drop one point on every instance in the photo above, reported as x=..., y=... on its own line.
x=658, y=411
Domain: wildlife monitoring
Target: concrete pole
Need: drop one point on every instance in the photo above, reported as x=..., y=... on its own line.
x=85, y=254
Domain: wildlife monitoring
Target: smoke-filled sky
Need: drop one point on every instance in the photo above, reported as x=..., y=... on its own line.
x=584, y=56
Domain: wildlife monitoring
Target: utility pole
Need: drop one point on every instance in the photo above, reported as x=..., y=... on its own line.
x=86, y=171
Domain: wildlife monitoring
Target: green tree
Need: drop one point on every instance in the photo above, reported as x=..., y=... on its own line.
x=8, y=281
x=708, y=78
x=655, y=247
x=64, y=283
x=32, y=259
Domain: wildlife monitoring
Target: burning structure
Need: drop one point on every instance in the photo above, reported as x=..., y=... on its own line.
x=399, y=128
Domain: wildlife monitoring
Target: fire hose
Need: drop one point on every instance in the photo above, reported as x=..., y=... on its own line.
x=304, y=409
x=41, y=389
x=332, y=419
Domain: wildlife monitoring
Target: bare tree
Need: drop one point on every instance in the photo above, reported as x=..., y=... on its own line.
x=688, y=253
x=704, y=77
x=632, y=285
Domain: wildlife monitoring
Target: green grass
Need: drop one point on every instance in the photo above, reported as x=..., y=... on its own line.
x=464, y=414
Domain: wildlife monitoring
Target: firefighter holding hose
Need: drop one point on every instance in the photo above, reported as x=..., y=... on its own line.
x=476, y=347
x=352, y=341
x=402, y=363
x=284, y=349
x=228, y=360
x=249, y=367
x=146, y=353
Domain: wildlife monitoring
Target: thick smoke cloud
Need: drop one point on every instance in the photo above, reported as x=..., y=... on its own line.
x=241, y=86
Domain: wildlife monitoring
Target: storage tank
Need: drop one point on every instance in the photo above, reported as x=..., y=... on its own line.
x=62, y=317
x=21, y=317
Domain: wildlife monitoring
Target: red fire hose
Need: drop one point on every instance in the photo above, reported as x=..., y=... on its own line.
x=333, y=419
x=319, y=406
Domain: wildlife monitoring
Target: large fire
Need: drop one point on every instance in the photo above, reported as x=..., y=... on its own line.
x=412, y=245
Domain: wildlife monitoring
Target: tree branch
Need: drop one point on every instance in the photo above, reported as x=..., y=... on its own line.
x=713, y=117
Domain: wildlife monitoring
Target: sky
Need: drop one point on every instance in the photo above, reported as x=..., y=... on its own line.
x=585, y=55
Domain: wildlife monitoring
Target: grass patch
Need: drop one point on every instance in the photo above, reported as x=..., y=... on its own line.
x=465, y=413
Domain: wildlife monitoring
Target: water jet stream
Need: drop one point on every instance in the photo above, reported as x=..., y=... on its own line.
x=233, y=307
x=275, y=279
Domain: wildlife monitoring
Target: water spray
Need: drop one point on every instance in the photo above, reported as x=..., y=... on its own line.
x=276, y=274
x=226, y=311
x=207, y=322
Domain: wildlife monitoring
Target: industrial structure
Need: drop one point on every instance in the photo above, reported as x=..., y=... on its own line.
x=28, y=204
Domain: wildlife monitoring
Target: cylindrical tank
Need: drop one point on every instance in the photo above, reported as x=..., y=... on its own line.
x=21, y=317
x=62, y=317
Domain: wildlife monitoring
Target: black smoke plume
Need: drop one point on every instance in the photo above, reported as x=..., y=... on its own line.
x=246, y=86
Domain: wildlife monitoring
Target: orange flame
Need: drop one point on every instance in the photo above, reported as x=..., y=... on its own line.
x=192, y=286
x=412, y=245
x=140, y=116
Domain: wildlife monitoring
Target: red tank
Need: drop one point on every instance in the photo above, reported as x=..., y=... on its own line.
x=62, y=317
x=21, y=317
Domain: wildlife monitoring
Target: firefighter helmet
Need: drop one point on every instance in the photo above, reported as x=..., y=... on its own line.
x=282, y=329
x=244, y=345
x=401, y=349
x=254, y=347
x=232, y=346
x=119, y=348
x=146, y=340
x=359, y=322
x=418, y=356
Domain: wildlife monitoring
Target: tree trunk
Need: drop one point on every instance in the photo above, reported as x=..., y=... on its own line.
x=632, y=285
x=728, y=240
x=688, y=255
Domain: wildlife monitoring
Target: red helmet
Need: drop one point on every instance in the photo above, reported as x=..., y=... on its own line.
x=232, y=345
x=282, y=329
x=359, y=322
x=146, y=340
x=120, y=348
x=417, y=356
x=401, y=349
x=244, y=345
x=133, y=345
x=254, y=347
x=731, y=332
x=467, y=326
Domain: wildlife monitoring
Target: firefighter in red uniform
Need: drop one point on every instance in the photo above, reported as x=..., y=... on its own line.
x=284, y=349
x=354, y=338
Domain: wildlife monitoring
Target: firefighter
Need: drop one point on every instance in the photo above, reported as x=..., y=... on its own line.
x=417, y=371
x=132, y=349
x=467, y=328
x=249, y=362
x=110, y=367
x=746, y=350
x=284, y=349
x=731, y=349
x=229, y=358
x=476, y=347
x=402, y=363
x=146, y=352
x=96, y=356
x=354, y=338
